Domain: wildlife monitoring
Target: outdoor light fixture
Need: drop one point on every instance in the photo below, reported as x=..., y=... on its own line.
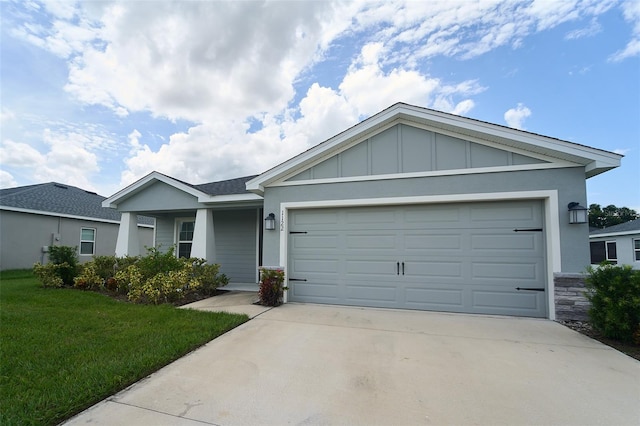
x=270, y=222
x=577, y=213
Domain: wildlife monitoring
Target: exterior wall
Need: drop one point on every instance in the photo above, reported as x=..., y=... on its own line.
x=407, y=149
x=24, y=234
x=624, y=248
x=235, y=233
x=159, y=197
x=235, y=240
x=569, y=183
x=571, y=304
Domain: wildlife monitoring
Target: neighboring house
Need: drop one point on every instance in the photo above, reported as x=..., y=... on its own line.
x=411, y=208
x=35, y=217
x=619, y=244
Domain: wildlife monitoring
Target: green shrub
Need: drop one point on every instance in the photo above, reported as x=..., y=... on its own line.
x=48, y=274
x=208, y=276
x=105, y=266
x=271, y=288
x=156, y=262
x=614, y=293
x=89, y=278
x=67, y=258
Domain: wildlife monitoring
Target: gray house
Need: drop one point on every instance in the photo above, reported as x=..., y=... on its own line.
x=35, y=217
x=619, y=244
x=411, y=208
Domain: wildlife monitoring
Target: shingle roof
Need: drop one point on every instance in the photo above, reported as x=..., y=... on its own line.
x=63, y=199
x=225, y=187
x=631, y=226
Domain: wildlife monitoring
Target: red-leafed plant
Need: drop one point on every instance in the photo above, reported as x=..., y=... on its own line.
x=271, y=286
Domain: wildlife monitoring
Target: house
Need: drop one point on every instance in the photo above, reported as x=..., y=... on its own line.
x=618, y=244
x=35, y=217
x=411, y=208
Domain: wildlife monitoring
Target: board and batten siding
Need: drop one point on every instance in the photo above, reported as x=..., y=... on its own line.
x=236, y=244
x=406, y=149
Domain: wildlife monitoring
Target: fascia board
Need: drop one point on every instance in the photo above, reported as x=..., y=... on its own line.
x=615, y=234
x=214, y=199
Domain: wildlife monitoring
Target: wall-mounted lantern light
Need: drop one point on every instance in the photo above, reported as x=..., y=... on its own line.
x=577, y=213
x=270, y=222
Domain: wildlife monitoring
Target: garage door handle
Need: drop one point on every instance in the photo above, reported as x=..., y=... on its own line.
x=297, y=279
x=397, y=268
x=530, y=289
x=402, y=268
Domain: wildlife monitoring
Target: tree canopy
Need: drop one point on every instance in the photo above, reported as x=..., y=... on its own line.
x=603, y=217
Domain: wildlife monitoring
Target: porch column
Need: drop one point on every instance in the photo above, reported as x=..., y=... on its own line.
x=203, y=245
x=128, y=240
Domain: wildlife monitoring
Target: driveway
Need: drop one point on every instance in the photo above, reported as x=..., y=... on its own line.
x=305, y=364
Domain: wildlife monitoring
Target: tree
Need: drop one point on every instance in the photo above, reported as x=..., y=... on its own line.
x=610, y=215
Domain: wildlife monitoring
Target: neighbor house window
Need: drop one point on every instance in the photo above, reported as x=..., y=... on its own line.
x=603, y=250
x=87, y=241
x=636, y=249
x=185, y=238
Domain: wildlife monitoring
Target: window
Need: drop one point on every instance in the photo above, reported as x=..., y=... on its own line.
x=87, y=241
x=185, y=238
x=603, y=250
x=636, y=249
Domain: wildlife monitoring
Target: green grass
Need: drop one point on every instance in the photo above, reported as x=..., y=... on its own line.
x=63, y=350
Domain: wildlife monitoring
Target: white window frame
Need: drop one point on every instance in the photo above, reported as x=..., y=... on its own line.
x=93, y=242
x=606, y=251
x=177, y=239
x=636, y=249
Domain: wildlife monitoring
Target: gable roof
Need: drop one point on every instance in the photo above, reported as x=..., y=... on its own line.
x=631, y=227
x=594, y=160
x=220, y=191
x=54, y=198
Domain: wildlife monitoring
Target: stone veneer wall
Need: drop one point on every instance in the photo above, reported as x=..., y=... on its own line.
x=571, y=304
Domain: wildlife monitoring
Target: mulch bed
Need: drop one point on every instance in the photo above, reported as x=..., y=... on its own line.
x=583, y=327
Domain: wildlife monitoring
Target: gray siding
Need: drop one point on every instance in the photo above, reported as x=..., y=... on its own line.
x=624, y=248
x=236, y=244
x=24, y=234
x=407, y=149
x=569, y=183
x=158, y=197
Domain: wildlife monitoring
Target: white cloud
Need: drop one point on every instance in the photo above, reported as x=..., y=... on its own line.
x=515, y=116
x=631, y=10
x=589, y=31
x=7, y=180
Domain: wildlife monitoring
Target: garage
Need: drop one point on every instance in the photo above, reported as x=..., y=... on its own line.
x=478, y=257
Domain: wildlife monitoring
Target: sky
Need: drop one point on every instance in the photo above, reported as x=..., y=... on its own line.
x=98, y=94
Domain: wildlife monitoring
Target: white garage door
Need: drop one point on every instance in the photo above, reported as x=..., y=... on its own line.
x=473, y=257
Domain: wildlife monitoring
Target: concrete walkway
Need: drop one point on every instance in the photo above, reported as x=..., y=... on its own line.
x=323, y=365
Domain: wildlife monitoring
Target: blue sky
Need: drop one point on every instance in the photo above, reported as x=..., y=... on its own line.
x=97, y=94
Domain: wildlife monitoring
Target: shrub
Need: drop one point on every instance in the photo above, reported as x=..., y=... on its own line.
x=105, y=266
x=88, y=278
x=208, y=276
x=271, y=286
x=156, y=262
x=67, y=258
x=49, y=274
x=614, y=293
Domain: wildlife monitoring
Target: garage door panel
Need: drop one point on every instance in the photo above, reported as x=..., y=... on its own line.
x=433, y=242
x=318, y=291
x=372, y=295
x=510, y=272
x=488, y=301
x=506, y=242
x=370, y=269
x=433, y=269
x=433, y=298
x=316, y=219
x=449, y=257
x=314, y=242
x=371, y=242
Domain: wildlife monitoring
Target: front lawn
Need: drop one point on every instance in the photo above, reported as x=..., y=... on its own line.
x=63, y=350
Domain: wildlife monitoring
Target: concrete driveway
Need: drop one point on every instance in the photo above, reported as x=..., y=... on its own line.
x=304, y=364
